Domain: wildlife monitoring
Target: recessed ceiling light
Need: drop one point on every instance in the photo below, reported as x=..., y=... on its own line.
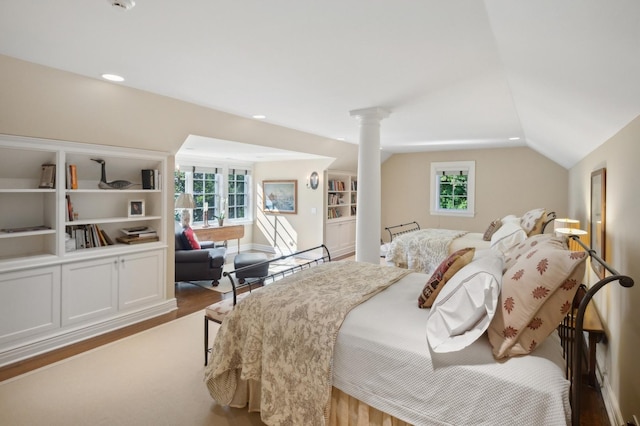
x=112, y=77
x=340, y=139
x=259, y=117
x=516, y=138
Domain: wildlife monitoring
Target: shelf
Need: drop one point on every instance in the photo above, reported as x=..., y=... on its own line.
x=112, y=191
x=23, y=204
x=111, y=220
x=27, y=190
x=26, y=233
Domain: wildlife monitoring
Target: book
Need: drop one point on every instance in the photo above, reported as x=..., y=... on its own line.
x=106, y=237
x=148, y=179
x=136, y=230
x=48, y=176
x=69, y=209
x=135, y=240
x=73, y=176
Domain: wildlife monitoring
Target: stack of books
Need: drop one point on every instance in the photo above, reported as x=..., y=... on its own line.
x=138, y=234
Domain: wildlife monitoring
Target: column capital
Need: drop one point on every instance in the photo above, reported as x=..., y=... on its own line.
x=373, y=113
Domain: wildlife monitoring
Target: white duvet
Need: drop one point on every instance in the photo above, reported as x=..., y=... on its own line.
x=382, y=358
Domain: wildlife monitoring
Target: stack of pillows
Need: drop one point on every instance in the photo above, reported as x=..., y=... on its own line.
x=518, y=291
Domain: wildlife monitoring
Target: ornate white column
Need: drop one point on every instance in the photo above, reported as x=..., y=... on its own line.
x=369, y=198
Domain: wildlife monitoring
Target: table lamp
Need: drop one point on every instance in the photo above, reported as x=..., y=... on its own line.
x=187, y=203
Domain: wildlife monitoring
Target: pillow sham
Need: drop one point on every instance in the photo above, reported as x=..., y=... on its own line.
x=465, y=306
x=507, y=236
x=493, y=227
x=537, y=292
x=442, y=274
x=531, y=242
x=532, y=221
x=191, y=238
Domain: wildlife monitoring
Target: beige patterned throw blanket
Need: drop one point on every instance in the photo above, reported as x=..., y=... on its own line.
x=284, y=334
x=422, y=250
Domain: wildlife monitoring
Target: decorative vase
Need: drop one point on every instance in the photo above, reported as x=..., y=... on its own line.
x=220, y=221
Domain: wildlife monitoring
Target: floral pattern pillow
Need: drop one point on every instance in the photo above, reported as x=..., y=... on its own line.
x=530, y=243
x=441, y=275
x=537, y=293
x=532, y=221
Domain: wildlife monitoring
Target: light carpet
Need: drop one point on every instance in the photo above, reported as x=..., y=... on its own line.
x=151, y=378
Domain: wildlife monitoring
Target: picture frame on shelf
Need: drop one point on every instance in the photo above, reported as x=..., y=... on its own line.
x=135, y=208
x=48, y=176
x=280, y=196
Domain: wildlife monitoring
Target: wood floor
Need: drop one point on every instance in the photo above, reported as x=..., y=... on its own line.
x=192, y=298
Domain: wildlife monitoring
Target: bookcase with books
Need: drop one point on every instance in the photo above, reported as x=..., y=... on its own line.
x=81, y=251
x=341, y=208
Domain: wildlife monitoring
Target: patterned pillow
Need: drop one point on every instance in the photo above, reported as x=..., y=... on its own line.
x=537, y=292
x=441, y=275
x=531, y=242
x=191, y=238
x=464, y=308
x=493, y=227
x=532, y=221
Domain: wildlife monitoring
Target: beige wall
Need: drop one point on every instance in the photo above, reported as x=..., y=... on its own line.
x=508, y=181
x=43, y=102
x=290, y=232
x=619, y=307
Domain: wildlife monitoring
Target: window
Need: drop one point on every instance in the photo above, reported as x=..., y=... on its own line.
x=238, y=194
x=453, y=188
x=205, y=189
x=207, y=185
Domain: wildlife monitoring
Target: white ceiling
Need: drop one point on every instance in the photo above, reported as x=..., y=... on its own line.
x=560, y=74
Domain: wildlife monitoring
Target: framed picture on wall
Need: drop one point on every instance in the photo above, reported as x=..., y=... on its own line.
x=280, y=196
x=597, y=226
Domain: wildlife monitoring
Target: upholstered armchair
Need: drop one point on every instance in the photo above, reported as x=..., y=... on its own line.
x=197, y=265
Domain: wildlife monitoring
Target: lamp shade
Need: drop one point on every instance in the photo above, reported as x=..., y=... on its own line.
x=185, y=201
x=566, y=223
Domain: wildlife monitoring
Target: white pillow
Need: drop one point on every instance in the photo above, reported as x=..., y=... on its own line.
x=510, y=218
x=507, y=236
x=466, y=305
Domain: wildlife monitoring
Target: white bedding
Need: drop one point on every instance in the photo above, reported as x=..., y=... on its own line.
x=470, y=239
x=423, y=250
x=382, y=358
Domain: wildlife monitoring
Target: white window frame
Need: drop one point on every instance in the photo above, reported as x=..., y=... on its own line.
x=451, y=167
x=190, y=165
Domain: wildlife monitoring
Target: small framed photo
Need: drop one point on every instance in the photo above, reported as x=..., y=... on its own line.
x=136, y=208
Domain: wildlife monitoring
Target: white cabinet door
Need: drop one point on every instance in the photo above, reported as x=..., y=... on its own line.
x=29, y=303
x=89, y=289
x=141, y=279
x=340, y=237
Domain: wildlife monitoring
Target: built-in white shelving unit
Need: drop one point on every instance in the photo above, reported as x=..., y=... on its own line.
x=60, y=278
x=340, y=212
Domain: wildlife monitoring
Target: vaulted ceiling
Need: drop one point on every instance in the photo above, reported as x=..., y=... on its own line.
x=560, y=75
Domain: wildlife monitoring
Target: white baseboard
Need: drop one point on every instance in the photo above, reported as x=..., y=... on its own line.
x=608, y=397
x=68, y=336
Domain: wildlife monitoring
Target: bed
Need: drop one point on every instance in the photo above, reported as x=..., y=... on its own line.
x=419, y=249
x=346, y=339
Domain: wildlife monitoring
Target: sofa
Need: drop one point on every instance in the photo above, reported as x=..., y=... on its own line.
x=197, y=265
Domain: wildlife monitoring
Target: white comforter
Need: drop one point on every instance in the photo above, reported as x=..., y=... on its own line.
x=422, y=250
x=382, y=357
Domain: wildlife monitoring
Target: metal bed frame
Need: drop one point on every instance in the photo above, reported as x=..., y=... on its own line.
x=572, y=330
x=405, y=228
x=325, y=256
